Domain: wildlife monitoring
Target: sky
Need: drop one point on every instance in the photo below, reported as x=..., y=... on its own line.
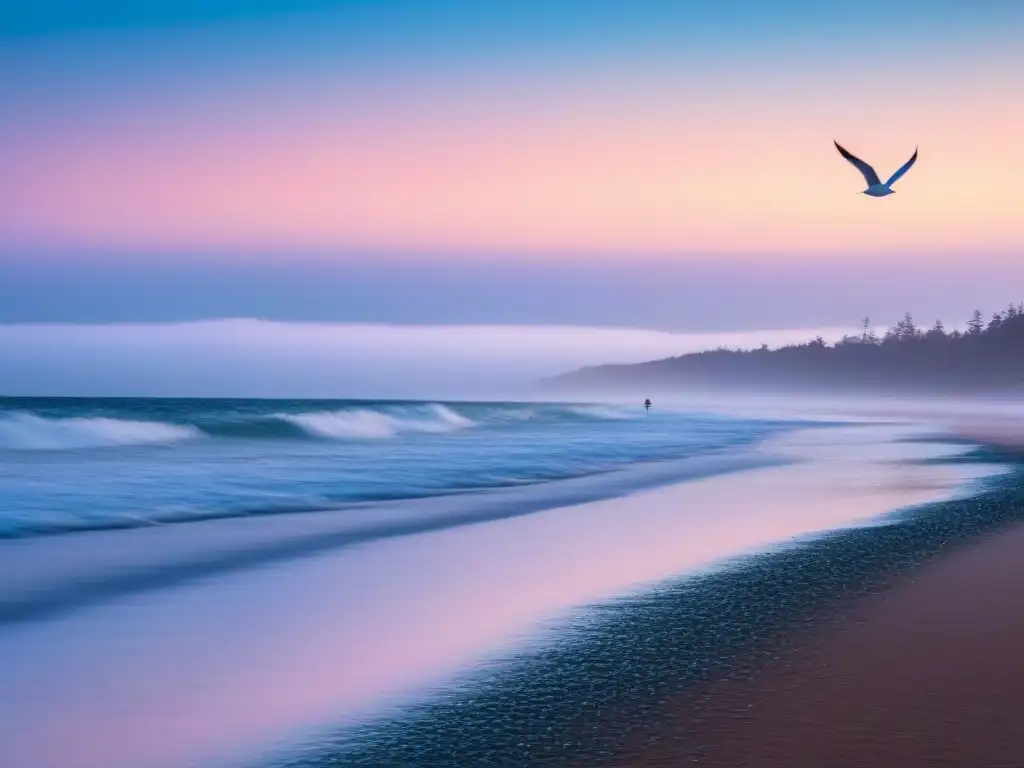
x=258, y=358
x=660, y=164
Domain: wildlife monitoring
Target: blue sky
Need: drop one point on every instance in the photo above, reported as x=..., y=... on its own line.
x=45, y=17
x=712, y=295
x=583, y=161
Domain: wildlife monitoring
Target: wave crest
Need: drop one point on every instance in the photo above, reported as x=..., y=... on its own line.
x=364, y=423
x=601, y=412
x=26, y=431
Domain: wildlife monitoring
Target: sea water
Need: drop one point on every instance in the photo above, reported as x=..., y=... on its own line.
x=79, y=464
x=233, y=641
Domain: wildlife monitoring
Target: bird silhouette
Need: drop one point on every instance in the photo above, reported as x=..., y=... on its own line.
x=875, y=186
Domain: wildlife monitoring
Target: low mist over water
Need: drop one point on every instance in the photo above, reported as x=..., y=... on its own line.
x=254, y=358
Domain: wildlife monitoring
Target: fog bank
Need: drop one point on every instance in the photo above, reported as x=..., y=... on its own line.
x=257, y=358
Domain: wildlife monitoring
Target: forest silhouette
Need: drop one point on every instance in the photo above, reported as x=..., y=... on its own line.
x=984, y=358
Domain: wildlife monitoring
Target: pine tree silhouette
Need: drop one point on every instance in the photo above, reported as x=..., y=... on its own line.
x=985, y=358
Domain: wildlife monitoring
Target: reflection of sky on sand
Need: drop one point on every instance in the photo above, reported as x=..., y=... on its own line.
x=168, y=677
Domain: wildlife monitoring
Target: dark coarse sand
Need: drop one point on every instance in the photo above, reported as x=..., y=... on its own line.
x=927, y=673
x=887, y=645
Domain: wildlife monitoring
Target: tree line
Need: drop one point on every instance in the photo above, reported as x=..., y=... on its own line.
x=986, y=356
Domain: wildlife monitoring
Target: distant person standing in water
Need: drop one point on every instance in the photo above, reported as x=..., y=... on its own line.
x=647, y=404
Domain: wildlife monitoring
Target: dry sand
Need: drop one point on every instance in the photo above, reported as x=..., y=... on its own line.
x=928, y=673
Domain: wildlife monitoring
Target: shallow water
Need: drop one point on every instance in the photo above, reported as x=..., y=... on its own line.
x=75, y=464
x=236, y=664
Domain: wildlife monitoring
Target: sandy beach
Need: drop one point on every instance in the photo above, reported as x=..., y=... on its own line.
x=509, y=384
x=925, y=672
x=928, y=672
x=693, y=672
x=535, y=639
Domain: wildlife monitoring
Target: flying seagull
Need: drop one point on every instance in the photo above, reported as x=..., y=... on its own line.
x=875, y=187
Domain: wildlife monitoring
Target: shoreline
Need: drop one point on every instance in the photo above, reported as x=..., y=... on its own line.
x=249, y=662
x=606, y=689
x=924, y=672
x=49, y=575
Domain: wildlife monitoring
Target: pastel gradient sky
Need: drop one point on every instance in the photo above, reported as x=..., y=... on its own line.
x=250, y=137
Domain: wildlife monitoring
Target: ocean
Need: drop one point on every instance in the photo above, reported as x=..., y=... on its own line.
x=270, y=583
x=79, y=464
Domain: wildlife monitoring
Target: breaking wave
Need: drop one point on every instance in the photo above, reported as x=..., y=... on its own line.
x=372, y=423
x=80, y=464
x=601, y=412
x=25, y=430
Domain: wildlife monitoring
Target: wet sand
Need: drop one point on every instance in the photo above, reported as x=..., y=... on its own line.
x=789, y=657
x=539, y=638
x=275, y=651
x=929, y=672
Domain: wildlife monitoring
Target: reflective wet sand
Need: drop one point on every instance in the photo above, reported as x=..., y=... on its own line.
x=234, y=664
x=928, y=673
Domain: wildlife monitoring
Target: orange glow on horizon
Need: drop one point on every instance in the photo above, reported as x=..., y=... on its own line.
x=732, y=172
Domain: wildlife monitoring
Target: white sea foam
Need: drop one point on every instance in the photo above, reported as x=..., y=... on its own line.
x=600, y=412
x=514, y=414
x=26, y=431
x=367, y=423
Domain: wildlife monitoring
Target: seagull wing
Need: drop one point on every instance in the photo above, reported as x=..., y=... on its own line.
x=869, y=173
x=906, y=167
